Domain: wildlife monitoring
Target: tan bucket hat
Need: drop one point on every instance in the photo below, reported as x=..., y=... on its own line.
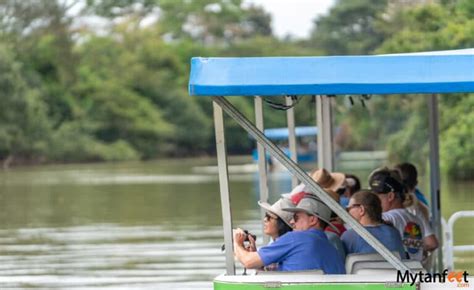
x=327, y=180
x=277, y=209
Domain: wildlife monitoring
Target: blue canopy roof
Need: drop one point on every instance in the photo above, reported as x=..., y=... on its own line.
x=282, y=133
x=428, y=72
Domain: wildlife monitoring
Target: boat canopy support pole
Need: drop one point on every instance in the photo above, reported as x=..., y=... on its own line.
x=224, y=188
x=435, y=174
x=262, y=162
x=308, y=181
x=324, y=124
x=290, y=117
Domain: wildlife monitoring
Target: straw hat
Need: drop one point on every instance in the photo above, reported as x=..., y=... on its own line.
x=327, y=180
x=277, y=209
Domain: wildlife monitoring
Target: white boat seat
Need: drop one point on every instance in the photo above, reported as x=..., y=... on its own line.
x=380, y=267
x=353, y=259
x=308, y=272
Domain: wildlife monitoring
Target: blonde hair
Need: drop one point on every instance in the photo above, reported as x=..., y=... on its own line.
x=410, y=200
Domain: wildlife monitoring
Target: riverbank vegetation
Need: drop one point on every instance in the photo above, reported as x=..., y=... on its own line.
x=101, y=80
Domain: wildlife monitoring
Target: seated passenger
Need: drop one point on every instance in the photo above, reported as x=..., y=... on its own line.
x=312, y=216
x=305, y=248
x=331, y=183
x=335, y=184
x=276, y=223
x=352, y=186
x=419, y=204
x=415, y=236
x=416, y=204
x=365, y=207
x=334, y=226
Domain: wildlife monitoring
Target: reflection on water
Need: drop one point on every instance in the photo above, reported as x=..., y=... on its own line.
x=110, y=255
x=132, y=225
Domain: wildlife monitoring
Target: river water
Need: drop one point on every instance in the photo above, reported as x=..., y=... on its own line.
x=153, y=225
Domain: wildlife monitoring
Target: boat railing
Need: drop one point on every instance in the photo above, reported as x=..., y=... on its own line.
x=449, y=248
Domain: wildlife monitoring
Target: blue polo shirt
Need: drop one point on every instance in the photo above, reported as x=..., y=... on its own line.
x=303, y=250
x=387, y=235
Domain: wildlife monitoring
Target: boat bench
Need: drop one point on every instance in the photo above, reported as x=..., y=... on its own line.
x=280, y=273
x=375, y=264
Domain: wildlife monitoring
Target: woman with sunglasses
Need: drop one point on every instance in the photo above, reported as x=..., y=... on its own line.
x=276, y=223
x=366, y=208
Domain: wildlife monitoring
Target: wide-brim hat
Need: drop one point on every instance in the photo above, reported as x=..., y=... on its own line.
x=328, y=180
x=277, y=209
x=312, y=205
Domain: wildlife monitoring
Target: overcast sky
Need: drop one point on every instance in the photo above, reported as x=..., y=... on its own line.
x=294, y=17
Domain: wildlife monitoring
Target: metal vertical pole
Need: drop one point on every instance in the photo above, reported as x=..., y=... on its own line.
x=290, y=117
x=224, y=188
x=434, y=175
x=324, y=123
x=262, y=161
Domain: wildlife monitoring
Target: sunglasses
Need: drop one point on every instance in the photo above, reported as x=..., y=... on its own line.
x=296, y=217
x=352, y=206
x=269, y=217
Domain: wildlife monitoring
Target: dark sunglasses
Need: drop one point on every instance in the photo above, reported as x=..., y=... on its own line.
x=269, y=217
x=296, y=217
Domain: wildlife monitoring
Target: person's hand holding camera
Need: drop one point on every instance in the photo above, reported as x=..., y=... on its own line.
x=242, y=236
x=251, y=247
x=239, y=237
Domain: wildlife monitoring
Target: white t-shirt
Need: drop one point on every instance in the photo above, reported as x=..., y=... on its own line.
x=426, y=224
x=412, y=231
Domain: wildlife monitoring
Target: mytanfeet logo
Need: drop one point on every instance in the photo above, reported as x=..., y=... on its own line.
x=460, y=278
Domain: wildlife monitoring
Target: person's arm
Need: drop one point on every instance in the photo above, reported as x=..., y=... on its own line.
x=250, y=260
x=430, y=243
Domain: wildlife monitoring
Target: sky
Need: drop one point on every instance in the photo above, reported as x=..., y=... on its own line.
x=294, y=17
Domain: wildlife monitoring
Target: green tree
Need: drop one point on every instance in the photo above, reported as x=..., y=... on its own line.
x=24, y=126
x=426, y=28
x=351, y=27
x=41, y=33
x=211, y=22
x=109, y=101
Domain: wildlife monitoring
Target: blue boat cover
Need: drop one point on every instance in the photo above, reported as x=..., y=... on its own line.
x=282, y=133
x=429, y=72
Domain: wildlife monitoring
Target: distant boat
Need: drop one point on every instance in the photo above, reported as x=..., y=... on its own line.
x=306, y=143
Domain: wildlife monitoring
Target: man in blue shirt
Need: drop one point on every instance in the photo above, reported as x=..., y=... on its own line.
x=305, y=248
x=365, y=207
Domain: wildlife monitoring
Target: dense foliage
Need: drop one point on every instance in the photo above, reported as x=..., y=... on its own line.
x=102, y=80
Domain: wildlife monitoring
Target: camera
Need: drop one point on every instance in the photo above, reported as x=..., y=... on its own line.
x=247, y=234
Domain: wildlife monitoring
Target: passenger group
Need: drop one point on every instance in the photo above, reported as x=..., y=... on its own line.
x=307, y=235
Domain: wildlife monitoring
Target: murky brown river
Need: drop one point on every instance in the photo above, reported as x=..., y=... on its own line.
x=154, y=225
